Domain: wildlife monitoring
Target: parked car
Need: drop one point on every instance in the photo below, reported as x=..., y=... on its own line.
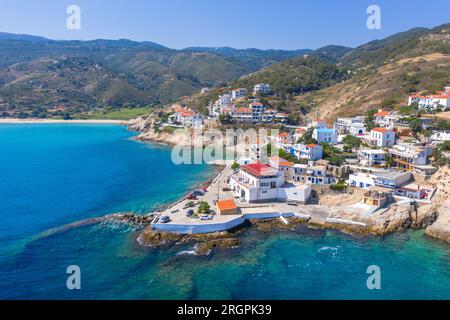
x=197, y=193
x=164, y=219
x=206, y=217
x=226, y=189
x=291, y=203
x=191, y=197
x=189, y=213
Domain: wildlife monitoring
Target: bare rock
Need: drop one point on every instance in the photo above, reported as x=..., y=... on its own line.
x=206, y=247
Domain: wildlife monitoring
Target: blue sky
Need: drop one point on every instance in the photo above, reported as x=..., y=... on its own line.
x=279, y=24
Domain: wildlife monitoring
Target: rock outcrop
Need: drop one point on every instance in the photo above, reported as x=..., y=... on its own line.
x=441, y=201
x=205, y=243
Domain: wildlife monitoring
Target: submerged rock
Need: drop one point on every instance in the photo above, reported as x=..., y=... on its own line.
x=206, y=247
x=205, y=243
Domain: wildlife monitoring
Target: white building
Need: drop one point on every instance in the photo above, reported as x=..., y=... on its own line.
x=326, y=135
x=385, y=119
x=312, y=152
x=244, y=115
x=416, y=191
x=344, y=124
x=372, y=157
x=257, y=150
x=382, y=137
x=440, y=136
x=442, y=98
x=357, y=129
x=238, y=93
x=406, y=155
x=262, y=88
x=225, y=100
x=310, y=174
x=392, y=179
x=361, y=180
x=188, y=118
x=257, y=182
x=284, y=138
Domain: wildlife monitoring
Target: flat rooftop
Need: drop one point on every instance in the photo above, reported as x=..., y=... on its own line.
x=391, y=174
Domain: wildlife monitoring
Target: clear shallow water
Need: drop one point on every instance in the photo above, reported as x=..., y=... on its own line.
x=60, y=174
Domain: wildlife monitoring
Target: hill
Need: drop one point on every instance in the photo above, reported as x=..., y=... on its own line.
x=253, y=59
x=295, y=76
x=38, y=73
x=385, y=72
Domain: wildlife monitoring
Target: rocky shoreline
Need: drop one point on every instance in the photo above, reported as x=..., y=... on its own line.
x=434, y=218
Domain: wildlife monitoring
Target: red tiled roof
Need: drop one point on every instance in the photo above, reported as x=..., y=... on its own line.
x=256, y=104
x=286, y=164
x=259, y=169
x=244, y=110
x=382, y=130
x=311, y=145
x=283, y=134
x=382, y=114
x=226, y=205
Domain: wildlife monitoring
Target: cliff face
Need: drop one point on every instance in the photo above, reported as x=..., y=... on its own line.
x=146, y=127
x=441, y=228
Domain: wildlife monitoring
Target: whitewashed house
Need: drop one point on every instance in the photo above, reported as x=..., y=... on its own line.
x=310, y=174
x=382, y=137
x=372, y=157
x=344, y=124
x=262, y=88
x=407, y=155
x=357, y=129
x=312, y=152
x=441, y=98
x=257, y=182
x=188, y=118
x=237, y=94
x=326, y=135
x=225, y=99
x=361, y=180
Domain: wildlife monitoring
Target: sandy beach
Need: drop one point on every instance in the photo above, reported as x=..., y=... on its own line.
x=31, y=121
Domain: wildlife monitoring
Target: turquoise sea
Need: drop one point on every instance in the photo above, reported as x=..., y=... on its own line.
x=52, y=175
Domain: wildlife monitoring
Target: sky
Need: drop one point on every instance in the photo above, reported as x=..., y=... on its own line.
x=264, y=24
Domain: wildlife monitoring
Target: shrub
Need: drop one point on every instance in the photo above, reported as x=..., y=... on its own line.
x=203, y=207
x=340, y=186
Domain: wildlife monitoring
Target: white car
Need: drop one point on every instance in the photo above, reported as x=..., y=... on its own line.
x=206, y=217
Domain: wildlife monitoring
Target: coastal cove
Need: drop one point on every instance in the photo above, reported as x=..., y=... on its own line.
x=62, y=173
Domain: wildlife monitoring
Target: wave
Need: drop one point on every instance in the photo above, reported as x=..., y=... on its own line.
x=326, y=248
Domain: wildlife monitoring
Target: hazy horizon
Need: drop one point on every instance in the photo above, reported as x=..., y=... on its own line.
x=179, y=24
